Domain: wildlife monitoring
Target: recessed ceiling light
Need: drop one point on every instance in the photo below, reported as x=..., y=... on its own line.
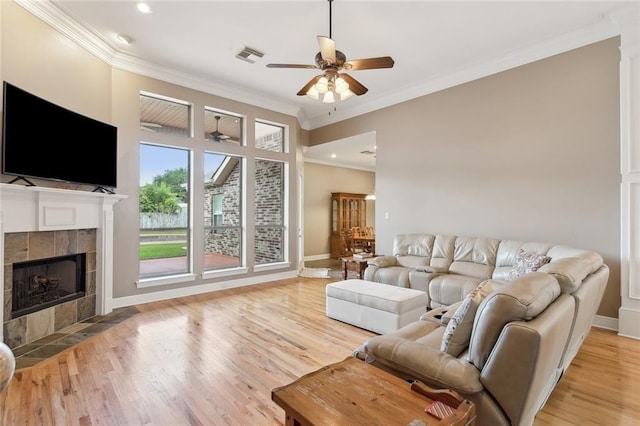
x=333, y=156
x=144, y=8
x=123, y=38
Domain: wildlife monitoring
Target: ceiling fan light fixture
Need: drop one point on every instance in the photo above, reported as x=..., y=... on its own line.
x=341, y=85
x=328, y=98
x=346, y=95
x=322, y=86
x=313, y=93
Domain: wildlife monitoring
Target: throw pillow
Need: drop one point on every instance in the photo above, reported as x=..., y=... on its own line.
x=458, y=332
x=526, y=262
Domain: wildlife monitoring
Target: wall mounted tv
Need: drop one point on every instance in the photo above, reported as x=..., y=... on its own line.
x=43, y=140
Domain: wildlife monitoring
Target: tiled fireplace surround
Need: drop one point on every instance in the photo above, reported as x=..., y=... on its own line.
x=24, y=246
x=38, y=222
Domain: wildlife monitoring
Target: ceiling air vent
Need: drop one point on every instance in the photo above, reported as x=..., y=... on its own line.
x=367, y=152
x=247, y=53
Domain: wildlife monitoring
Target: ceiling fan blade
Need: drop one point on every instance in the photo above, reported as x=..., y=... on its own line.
x=369, y=63
x=354, y=85
x=150, y=124
x=307, y=86
x=327, y=48
x=291, y=66
x=219, y=137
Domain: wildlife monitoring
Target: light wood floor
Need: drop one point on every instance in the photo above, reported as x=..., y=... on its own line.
x=213, y=360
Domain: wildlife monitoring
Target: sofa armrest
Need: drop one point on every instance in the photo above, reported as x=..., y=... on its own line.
x=425, y=363
x=442, y=314
x=383, y=261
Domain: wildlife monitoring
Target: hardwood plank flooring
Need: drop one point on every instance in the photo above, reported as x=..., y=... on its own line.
x=213, y=359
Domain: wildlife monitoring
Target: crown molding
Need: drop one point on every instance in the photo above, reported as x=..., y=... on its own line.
x=627, y=17
x=608, y=26
x=628, y=21
x=338, y=164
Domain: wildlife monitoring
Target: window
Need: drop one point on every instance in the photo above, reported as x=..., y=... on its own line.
x=221, y=127
x=168, y=151
x=164, y=211
x=217, y=209
x=270, y=137
x=223, y=211
x=164, y=115
x=269, y=211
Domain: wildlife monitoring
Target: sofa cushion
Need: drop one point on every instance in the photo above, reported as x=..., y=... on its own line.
x=411, y=261
x=447, y=289
x=474, y=257
x=526, y=262
x=458, y=331
x=413, y=244
x=508, y=252
x=443, y=248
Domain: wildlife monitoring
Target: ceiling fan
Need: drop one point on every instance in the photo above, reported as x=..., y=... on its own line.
x=333, y=82
x=216, y=135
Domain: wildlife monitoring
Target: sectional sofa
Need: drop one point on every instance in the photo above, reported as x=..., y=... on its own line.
x=505, y=318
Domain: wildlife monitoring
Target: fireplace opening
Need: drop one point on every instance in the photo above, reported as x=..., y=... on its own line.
x=42, y=283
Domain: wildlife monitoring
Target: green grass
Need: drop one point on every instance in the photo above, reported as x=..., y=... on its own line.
x=160, y=251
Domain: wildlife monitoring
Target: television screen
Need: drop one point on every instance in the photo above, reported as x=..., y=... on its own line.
x=43, y=140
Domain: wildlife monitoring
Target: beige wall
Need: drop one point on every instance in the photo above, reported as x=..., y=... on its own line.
x=42, y=61
x=531, y=153
x=319, y=182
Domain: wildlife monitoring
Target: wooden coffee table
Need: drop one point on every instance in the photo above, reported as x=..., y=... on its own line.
x=357, y=393
x=350, y=263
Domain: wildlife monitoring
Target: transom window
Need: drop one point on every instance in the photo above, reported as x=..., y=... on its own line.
x=222, y=127
x=270, y=137
x=164, y=115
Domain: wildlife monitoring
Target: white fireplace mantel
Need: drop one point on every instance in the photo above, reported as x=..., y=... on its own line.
x=33, y=208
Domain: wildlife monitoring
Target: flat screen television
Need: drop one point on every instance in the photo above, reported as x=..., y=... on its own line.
x=43, y=140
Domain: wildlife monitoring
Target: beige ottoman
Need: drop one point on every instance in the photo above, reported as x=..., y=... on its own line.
x=381, y=308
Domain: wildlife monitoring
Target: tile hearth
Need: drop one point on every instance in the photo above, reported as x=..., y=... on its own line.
x=46, y=347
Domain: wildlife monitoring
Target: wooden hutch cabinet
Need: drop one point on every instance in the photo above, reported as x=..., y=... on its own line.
x=347, y=210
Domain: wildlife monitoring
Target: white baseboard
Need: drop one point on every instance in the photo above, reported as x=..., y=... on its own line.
x=607, y=323
x=629, y=323
x=204, y=288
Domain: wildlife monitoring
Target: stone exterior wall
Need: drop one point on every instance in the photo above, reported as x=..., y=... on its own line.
x=25, y=246
x=269, y=211
x=224, y=241
x=271, y=142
